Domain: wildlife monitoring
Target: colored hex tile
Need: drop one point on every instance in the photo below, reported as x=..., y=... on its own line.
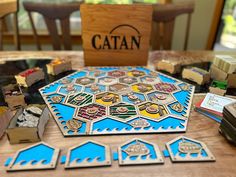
x=136, y=73
x=165, y=87
x=107, y=98
x=95, y=88
x=128, y=80
x=160, y=97
x=85, y=81
x=91, y=112
x=133, y=98
x=116, y=73
x=123, y=110
x=141, y=87
x=152, y=110
x=149, y=80
x=79, y=99
x=70, y=89
x=119, y=88
x=107, y=80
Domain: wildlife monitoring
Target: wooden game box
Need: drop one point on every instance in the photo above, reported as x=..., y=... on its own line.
x=113, y=34
x=29, y=76
x=13, y=96
x=27, y=134
x=197, y=75
x=58, y=66
x=5, y=117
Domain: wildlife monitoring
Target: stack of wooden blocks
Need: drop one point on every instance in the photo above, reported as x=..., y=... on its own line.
x=224, y=69
x=228, y=124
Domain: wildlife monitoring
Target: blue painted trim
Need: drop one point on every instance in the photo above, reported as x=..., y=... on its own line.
x=8, y=161
x=63, y=159
x=166, y=153
x=115, y=156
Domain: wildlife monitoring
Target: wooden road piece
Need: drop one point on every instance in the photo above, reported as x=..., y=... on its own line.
x=29, y=76
x=197, y=75
x=39, y=156
x=173, y=61
x=184, y=149
x=58, y=66
x=88, y=154
x=138, y=151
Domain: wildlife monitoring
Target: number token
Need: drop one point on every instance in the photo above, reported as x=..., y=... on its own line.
x=122, y=110
x=79, y=98
x=132, y=97
x=152, y=109
x=107, y=98
x=92, y=111
x=160, y=96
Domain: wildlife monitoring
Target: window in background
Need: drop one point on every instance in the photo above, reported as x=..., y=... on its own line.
x=226, y=34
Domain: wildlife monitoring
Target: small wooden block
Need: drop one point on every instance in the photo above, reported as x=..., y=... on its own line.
x=218, y=74
x=226, y=63
x=217, y=91
x=58, y=66
x=29, y=77
x=232, y=81
x=13, y=96
x=197, y=75
x=27, y=134
x=5, y=117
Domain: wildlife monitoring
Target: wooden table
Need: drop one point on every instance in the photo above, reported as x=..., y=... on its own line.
x=199, y=127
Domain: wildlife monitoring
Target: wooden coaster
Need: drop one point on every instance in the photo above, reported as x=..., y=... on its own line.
x=183, y=149
x=88, y=154
x=38, y=156
x=138, y=151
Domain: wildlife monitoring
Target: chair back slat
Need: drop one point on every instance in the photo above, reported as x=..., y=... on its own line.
x=51, y=13
x=165, y=15
x=7, y=8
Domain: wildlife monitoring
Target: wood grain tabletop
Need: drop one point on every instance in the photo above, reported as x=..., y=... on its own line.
x=199, y=127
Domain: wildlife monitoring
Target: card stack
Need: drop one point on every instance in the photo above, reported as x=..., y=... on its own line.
x=224, y=69
x=228, y=123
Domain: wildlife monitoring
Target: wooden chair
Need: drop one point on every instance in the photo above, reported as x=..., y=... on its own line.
x=51, y=13
x=9, y=7
x=163, y=23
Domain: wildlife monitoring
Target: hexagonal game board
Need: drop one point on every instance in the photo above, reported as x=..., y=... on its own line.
x=118, y=100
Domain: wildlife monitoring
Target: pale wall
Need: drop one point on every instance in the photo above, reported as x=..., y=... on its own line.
x=200, y=26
